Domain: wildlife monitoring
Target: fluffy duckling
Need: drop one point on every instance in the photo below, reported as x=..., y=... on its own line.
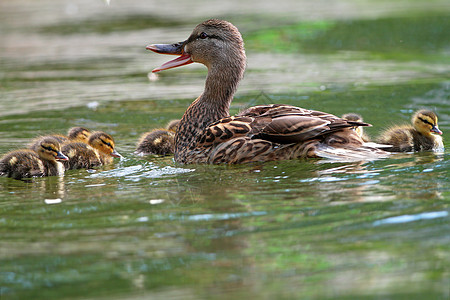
x=43, y=160
x=104, y=144
x=419, y=137
x=79, y=134
x=359, y=129
x=81, y=156
x=173, y=125
x=158, y=141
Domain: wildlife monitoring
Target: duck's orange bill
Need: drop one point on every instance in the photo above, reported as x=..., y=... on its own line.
x=173, y=49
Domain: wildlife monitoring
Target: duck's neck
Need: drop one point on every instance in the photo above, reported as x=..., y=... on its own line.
x=212, y=105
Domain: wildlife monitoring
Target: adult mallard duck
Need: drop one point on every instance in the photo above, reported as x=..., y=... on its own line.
x=158, y=141
x=43, y=160
x=206, y=132
x=359, y=129
x=424, y=134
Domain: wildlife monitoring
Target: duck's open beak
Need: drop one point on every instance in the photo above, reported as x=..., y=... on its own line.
x=435, y=129
x=61, y=156
x=173, y=49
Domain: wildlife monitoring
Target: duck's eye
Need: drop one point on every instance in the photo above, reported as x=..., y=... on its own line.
x=203, y=35
x=48, y=148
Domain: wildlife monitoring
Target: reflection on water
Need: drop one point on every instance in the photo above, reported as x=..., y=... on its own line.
x=145, y=227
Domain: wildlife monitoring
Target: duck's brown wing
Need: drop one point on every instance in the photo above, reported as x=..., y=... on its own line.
x=283, y=124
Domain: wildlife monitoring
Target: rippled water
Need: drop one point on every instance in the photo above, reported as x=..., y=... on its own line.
x=149, y=228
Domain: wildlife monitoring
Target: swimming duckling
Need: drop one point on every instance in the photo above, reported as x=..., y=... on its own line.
x=81, y=156
x=104, y=144
x=173, y=125
x=359, y=129
x=419, y=137
x=42, y=161
x=78, y=134
x=158, y=141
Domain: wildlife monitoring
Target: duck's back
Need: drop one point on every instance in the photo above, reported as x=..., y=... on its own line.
x=22, y=164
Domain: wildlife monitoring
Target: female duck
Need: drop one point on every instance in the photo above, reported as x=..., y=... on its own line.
x=43, y=160
x=421, y=136
x=206, y=132
x=158, y=141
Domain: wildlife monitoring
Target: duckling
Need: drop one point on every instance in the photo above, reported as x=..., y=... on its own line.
x=104, y=144
x=78, y=134
x=49, y=150
x=421, y=136
x=158, y=141
x=173, y=125
x=359, y=129
x=26, y=163
x=81, y=156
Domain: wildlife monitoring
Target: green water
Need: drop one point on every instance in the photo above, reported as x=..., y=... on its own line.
x=147, y=228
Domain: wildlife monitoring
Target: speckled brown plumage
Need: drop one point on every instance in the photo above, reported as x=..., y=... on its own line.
x=206, y=132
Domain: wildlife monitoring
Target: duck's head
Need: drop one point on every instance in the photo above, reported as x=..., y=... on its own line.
x=426, y=122
x=104, y=143
x=49, y=149
x=212, y=43
x=79, y=133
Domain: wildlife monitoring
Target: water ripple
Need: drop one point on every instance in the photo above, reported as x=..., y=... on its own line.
x=411, y=218
x=138, y=172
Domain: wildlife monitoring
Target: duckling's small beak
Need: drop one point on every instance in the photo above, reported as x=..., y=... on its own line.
x=61, y=156
x=435, y=129
x=172, y=49
x=115, y=154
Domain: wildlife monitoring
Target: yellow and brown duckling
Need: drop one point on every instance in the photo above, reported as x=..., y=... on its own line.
x=105, y=146
x=158, y=141
x=207, y=133
x=80, y=134
x=98, y=150
x=42, y=160
x=424, y=134
x=359, y=129
x=81, y=156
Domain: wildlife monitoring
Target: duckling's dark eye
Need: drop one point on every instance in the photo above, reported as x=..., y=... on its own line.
x=107, y=144
x=203, y=35
x=48, y=148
